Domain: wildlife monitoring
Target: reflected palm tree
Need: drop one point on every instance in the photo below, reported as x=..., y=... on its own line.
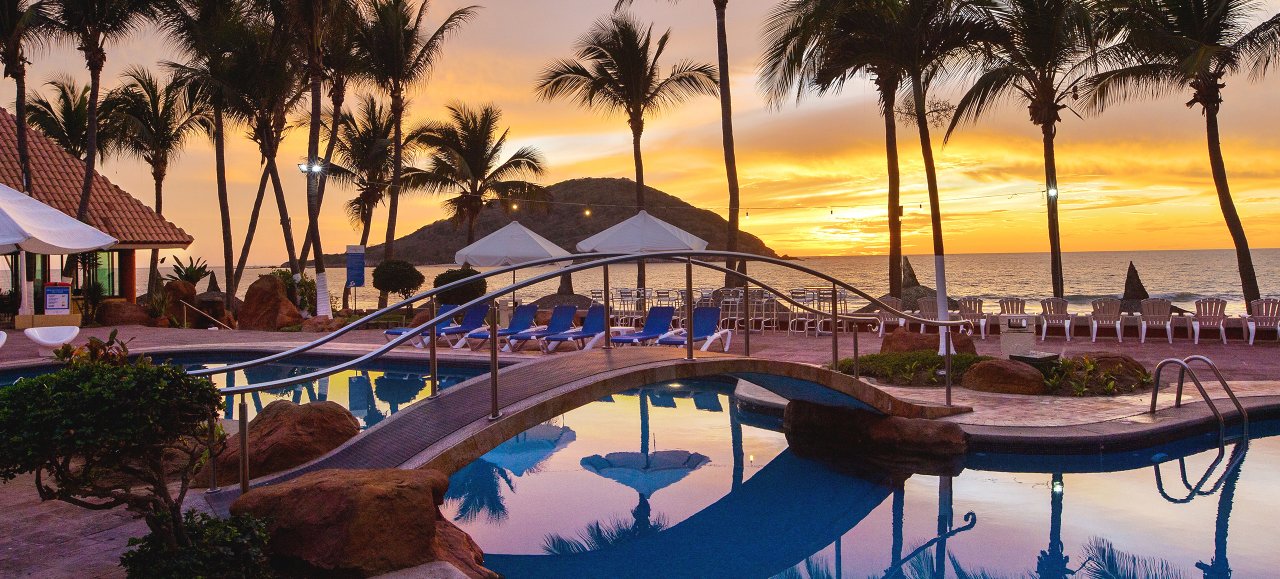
x=1218, y=567
x=815, y=567
x=1052, y=563
x=476, y=488
x=600, y=535
x=1107, y=562
x=397, y=389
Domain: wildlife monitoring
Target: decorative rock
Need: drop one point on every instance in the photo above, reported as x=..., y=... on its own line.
x=285, y=435
x=185, y=291
x=1127, y=371
x=896, y=443
x=360, y=522
x=267, y=306
x=1004, y=377
x=122, y=313
x=904, y=340
x=319, y=324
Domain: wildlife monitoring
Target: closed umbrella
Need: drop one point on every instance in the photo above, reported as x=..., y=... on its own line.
x=27, y=225
x=512, y=244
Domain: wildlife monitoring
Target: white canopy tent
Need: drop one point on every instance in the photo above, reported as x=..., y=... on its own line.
x=642, y=233
x=511, y=245
x=27, y=225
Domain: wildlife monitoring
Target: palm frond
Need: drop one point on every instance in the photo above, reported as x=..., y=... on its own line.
x=1106, y=562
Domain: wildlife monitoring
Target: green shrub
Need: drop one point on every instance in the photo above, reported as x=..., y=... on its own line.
x=463, y=293
x=302, y=293
x=1085, y=377
x=104, y=431
x=193, y=271
x=398, y=277
x=233, y=548
x=911, y=368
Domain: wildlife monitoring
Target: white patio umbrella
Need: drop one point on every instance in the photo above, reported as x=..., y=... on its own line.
x=27, y=225
x=512, y=244
x=530, y=448
x=642, y=233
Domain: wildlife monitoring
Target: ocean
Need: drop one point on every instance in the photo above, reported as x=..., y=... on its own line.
x=1180, y=276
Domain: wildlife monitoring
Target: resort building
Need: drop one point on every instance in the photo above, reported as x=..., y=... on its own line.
x=56, y=178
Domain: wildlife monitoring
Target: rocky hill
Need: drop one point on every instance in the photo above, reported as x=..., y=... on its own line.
x=565, y=225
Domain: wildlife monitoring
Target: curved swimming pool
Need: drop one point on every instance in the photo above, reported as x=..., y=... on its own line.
x=673, y=480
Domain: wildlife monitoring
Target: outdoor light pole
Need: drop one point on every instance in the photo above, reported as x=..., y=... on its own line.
x=435, y=368
x=688, y=307
x=608, y=319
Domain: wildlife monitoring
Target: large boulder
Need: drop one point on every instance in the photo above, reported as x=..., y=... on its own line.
x=904, y=340
x=323, y=324
x=267, y=306
x=285, y=435
x=122, y=313
x=1004, y=377
x=1128, y=373
x=360, y=523
x=186, y=292
x=897, y=444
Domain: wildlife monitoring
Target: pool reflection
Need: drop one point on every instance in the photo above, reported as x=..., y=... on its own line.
x=673, y=480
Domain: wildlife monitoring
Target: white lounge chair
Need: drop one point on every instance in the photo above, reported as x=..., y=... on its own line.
x=1266, y=315
x=1054, y=313
x=971, y=310
x=885, y=318
x=51, y=338
x=1013, y=306
x=3, y=338
x=928, y=311
x=1156, y=313
x=1106, y=312
x=1211, y=314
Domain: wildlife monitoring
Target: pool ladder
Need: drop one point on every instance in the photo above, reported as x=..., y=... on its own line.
x=1185, y=371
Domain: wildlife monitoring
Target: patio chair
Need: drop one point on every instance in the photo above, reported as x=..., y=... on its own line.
x=3, y=338
x=1106, y=312
x=706, y=329
x=393, y=333
x=51, y=338
x=1211, y=314
x=1054, y=313
x=592, y=330
x=1156, y=313
x=1016, y=306
x=521, y=320
x=801, y=320
x=473, y=319
x=884, y=318
x=561, y=321
x=971, y=310
x=656, y=324
x=928, y=311
x=1266, y=315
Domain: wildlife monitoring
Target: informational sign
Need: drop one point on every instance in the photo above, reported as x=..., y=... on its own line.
x=355, y=266
x=57, y=298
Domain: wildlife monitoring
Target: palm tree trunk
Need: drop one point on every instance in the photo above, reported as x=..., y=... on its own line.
x=726, y=130
x=637, y=127
x=393, y=202
x=337, y=99
x=889, y=96
x=231, y=275
x=323, y=307
x=286, y=225
x=153, y=273
x=1051, y=189
x=253, y=225
x=20, y=108
x=95, y=61
x=471, y=228
x=935, y=209
x=1244, y=260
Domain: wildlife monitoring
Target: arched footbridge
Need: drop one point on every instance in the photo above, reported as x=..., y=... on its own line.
x=455, y=427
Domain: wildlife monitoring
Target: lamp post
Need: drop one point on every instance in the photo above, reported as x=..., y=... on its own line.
x=312, y=168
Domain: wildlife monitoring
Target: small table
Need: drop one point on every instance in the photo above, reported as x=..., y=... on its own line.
x=1042, y=361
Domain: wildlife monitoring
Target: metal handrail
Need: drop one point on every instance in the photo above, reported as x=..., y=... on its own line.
x=894, y=571
x=1196, y=490
x=203, y=313
x=1185, y=371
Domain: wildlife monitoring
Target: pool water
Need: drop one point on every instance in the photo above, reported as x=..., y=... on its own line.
x=672, y=480
x=371, y=392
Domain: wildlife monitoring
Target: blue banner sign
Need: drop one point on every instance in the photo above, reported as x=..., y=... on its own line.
x=355, y=266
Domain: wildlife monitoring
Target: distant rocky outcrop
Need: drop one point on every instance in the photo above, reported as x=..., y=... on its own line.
x=564, y=224
x=913, y=292
x=1135, y=291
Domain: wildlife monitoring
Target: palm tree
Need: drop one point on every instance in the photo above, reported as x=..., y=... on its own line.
x=201, y=29
x=616, y=70
x=22, y=23
x=1041, y=57
x=1175, y=44
x=726, y=129
x=64, y=118
x=465, y=163
x=818, y=45
x=392, y=41
x=264, y=85
x=154, y=118
x=92, y=24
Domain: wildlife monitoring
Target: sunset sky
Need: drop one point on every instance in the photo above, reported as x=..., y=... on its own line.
x=1134, y=178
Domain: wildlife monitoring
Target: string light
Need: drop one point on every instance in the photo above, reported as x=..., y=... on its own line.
x=587, y=212
x=515, y=206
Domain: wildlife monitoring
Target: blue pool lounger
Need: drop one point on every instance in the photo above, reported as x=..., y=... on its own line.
x=706, y=322
x=521, y=320
x=394, y=333
x=593, y=330
x=656, y=325
x=561, y=321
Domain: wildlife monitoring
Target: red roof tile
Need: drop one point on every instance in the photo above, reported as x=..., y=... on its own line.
x=56, y=180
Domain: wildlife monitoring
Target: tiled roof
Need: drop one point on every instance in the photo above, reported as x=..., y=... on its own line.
x=57, y=178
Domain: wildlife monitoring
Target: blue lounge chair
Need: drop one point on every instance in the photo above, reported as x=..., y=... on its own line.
x=521, y=320
x=656, y=325
x=592, y=330
x=706, y=320
x=473, y=319
x=561, y=321
x=394, y=333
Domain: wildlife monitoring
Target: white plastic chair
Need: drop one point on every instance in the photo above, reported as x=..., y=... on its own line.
x=928, y=311
x=885, y=318
x=1106, y=312
x=971, y=310
x=1211, y=314
x=1156, y=313
x=51, y=337
x=1054, y=313
x=1266, y=315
